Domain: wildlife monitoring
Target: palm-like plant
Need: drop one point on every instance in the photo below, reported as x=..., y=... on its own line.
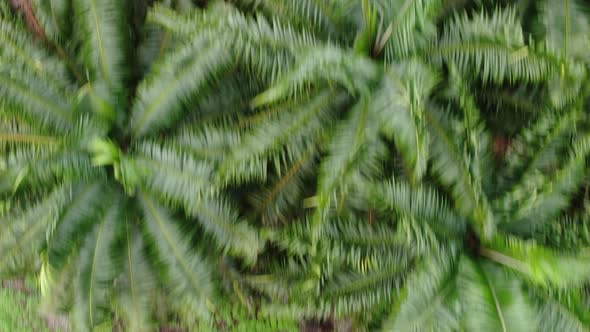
x=99, y=187
x=414, y=90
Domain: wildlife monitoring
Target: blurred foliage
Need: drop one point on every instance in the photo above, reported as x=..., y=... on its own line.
x=19, y=309
x=406, y=165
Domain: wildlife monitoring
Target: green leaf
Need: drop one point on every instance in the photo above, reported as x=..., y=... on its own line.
x=137, y=283
x=286, y=135
x=264, y=48
x=407, y=24
x=493, y=48
x=421, y=203
x=76, y=222
x=183, y=181
x=561, y=312
x=163, y=95
x=426, y=301
x=186, y=274
x=492, y=300
x=538, y=198
x=325, y=64
x=449, y=165
x=38, y=101
x=54, y=17
x=103, y=29
x=23, y=231
x=19, y=48
x=401, y=102
x=543, y=266
x=355, y=148
x=333, y=19
x=274, y=203
x=96, y=271
x=565, y=26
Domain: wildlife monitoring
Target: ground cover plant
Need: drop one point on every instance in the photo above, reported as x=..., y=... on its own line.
x=397, y=165
x=19, y=308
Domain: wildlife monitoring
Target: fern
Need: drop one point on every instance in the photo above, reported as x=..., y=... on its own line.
x=76, y=157
x=137, y=282
x=272, y=161
x=95, y=271
x=102, y=25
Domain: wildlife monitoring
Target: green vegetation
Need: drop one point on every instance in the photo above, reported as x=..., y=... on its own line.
x=19, y=311
x=237, y=318
x=405, y=165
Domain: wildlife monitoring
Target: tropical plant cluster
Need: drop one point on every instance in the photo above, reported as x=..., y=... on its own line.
x=401, y=165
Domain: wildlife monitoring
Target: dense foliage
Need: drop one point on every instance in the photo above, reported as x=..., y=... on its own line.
x=409, y=165
x=18, y=309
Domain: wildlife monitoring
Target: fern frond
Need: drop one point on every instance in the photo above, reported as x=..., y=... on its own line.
x=291, y=133
x=185, y=274
x=137, y=282
x=15, y=132
x=449, y=166
x=522, y=100
x=492, y=299
x=221, y=219
x=159, y=102
x=57, y=292
x=425, y=303
x=360, y=233
x=565, y=26
x=68, y=231
x=537, y=146
x=254, y=31
x=176, y=175
x=24, y=231
x=155, y=43
x=20, y=50
x=565, y=89
x=370, y=259
x=178, y=179
x=539, y=198
x=273, y=202
x=477, y=140
x=355, y=147
x=568, y=232
x=37, y=100
x=405, y=24
x=264, y=47
x=545, y=267
x=355, y=292
x=354, y=246
x=421, y=203
x=294, y=237
x=96, y=271
x=401, y=102
x=324, y=64
x=54, y=17
x=416, y=234
x=102, y=26
x=555, y=313
x=75, y=165
x=208, y=141
x=231, y=97
x=354, y=139
x=334, y=19
x=493, y=48
x=284, y=285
